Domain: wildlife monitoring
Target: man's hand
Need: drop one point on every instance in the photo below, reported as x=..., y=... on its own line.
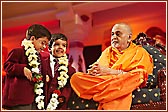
x=28, y=73
x=94, y=70
x=97, y=69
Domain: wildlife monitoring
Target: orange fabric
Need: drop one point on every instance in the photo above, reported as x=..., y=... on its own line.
x=114, y=92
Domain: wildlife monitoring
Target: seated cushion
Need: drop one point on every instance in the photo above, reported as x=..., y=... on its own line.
x=151, y=82
x=156, y=55
x=77, y=103
x=159, y=61
x=144, y=95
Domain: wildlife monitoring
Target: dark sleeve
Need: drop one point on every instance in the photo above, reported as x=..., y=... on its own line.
x=71, y=71
x=15, y=63
x=45, y=58
x=44, y=68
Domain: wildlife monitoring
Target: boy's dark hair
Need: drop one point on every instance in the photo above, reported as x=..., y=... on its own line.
x=38, y=31
x=55, y=37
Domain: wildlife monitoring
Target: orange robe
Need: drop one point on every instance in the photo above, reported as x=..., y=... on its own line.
x=114, y=92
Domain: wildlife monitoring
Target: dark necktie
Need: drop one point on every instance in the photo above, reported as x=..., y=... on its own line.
x=56, y=65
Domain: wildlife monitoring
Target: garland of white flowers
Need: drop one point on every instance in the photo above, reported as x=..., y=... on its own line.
x=37, y=77
x=62, y=80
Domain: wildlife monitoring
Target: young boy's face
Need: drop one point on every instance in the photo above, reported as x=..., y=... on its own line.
x=58, y=48
x=40, y=43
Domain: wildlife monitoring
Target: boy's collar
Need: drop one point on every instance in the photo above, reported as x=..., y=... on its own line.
x=52, y=58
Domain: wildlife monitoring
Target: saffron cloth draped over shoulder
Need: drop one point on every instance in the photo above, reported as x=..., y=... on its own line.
x=114, y=92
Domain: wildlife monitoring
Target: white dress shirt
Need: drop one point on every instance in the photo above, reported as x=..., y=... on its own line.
x=52, y=63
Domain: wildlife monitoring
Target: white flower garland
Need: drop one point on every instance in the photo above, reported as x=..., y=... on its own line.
x=31, y=53
x=62, y=80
